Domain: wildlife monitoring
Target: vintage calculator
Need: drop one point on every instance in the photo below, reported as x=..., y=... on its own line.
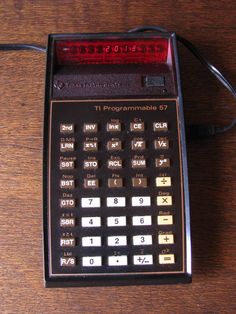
x=116, y=200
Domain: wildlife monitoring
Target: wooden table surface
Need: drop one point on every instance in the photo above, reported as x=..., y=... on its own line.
x=212, y=162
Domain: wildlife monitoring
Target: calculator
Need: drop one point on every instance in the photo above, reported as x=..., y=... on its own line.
x=115, y=190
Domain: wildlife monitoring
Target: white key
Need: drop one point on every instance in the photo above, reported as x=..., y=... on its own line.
x=90, y=202
x=164, y=200
x=91, y=241
x=165, y=220
x=92, y=261
x=142, y=220
x=166, y=259
x=142, y=240
x=118, y=221
x=165, y=239
x=141, y=201
x=121, y=260
x=91, y=221
x=116, y=202
x=117, y=241
x=143, y=259
x=163, y=181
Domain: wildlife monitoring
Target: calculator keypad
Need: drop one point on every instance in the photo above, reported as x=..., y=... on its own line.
x=116, y=195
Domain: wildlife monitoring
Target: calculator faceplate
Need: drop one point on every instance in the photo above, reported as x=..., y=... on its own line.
x=74, y=112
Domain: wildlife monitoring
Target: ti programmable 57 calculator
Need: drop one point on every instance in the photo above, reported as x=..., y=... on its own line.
x=116, y=201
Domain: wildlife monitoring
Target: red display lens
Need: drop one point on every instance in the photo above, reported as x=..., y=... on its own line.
x=112, y=51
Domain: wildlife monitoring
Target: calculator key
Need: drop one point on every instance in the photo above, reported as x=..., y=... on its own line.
x=67, y=242
x=90, y=127
x=90, y=202
x=160, y=126
x=67, y=184
x=115, y=182
x=143, y=259
x=138, y=163
x=90, y=146
x=166, y=259
x=67, y=222
x=138, y=144
x=141, y=201
x=91, y=241
x=67, y=165
x=137, y=126
x=165, y=220
x=114, y=164
x=91, y=183
x=161, y=144
x=163, y=181
x=142, y=240
x=117, y=241
x=165, y=239
x=68, y=261
x=67, y=202
x=139, y=182
x=90, y=164
x=164, y=200
x=142, y=220
x=67, y=128
x=113, y=127
x=67, y=147
x=114, y=145
x=116, y=201
x=121, y=260
x=91, y=261
x=91, y=222
x=162, y=162
x=118, y=221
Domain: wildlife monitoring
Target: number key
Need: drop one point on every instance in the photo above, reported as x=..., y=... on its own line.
x=142, y=240
x=119, y=221
x=141, y=201
x=91, y=222
x=91, y=261
x=91, y=241
x=142, y=220
x=90, y=202
x=116, y=201
x=117, y=241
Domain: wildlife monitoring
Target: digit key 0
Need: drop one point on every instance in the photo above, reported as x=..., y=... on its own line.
x=116, y=201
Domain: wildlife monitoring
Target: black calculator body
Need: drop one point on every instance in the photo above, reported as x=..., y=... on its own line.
x=116, y=200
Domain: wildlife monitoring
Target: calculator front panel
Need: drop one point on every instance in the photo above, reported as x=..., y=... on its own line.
x=140, y=209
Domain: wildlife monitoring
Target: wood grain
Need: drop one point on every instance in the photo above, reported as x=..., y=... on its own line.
x=212, y=171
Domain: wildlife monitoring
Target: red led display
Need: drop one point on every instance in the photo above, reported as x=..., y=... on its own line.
x=112, y=51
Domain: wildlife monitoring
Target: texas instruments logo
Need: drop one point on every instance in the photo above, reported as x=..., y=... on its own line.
x=59, y=84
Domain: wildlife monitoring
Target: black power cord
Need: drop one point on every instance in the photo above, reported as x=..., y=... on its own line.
x=11, y=47
x=193, y=131
x=198, y=131
x=201, y=131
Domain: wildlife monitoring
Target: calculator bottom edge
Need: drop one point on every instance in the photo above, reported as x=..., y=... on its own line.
x=124, y=281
